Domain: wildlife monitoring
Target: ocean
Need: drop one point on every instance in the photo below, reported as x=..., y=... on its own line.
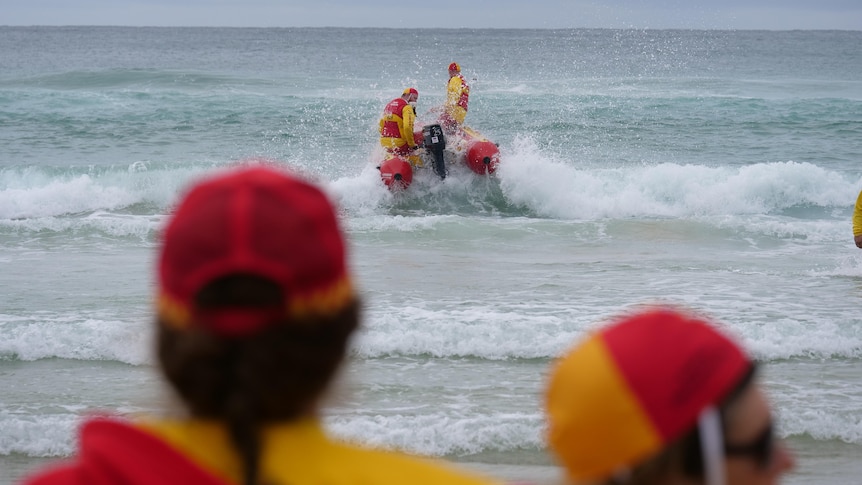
x=716, y=170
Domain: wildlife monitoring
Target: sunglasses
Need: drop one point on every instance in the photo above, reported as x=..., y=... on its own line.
x=761, y=450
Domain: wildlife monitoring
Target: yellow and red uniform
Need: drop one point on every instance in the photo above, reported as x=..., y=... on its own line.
x=857, y=221
x=457, y=97
x=857, y=216
x=396, y=127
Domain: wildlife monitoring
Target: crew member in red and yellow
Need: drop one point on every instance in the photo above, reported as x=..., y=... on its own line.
x=396, y=127
x=457, y=97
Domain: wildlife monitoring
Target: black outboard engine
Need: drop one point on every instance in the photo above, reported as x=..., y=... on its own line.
x=435, y=143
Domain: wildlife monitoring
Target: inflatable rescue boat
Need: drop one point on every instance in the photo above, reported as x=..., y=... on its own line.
x=439, y=150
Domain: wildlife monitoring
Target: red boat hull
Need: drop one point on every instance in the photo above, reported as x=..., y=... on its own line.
x=483, y=156
x=396, y=173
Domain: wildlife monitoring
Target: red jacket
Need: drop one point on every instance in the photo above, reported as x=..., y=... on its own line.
x=115, y=453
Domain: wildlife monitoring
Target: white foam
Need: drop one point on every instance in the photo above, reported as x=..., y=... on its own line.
x=440, y=434
x=560, y=188
x=823, y=424
x=35, y=434
x=85, y=337
x=479, y=331
x=362, y=194
x=77, y=194
x=33, y=192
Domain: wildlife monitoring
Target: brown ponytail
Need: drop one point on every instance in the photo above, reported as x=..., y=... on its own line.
x=277, y=374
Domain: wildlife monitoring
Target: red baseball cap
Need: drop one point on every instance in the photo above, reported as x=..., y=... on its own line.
x=632, y=388
x=257, y=221
x=455, y=67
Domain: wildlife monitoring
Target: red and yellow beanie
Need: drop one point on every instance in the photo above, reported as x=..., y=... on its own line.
x=632, y=388
x=257, y=221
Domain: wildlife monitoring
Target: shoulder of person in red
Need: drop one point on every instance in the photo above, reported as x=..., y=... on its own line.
x=114, y=452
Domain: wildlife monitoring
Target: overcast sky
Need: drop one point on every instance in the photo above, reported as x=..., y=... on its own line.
x=658, y=14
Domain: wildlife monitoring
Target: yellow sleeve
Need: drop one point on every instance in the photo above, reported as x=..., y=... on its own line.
x=383, y=468
x=857, y=216
x=407, y=126
x=208, y=444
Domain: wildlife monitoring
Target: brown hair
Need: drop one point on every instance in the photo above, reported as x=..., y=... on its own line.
x=276, y=374
x=683, y=455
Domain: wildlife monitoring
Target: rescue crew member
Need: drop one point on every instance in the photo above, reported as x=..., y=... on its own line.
x=662, y=396
x=457, y=97
x=396, y=127
x=857, y=221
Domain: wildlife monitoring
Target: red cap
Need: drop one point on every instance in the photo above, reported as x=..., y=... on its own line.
x=411, y=91
x=634, y=387
x=455, y=67
x=257, y=221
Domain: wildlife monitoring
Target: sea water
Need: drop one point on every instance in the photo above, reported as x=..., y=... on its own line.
x=711, y=169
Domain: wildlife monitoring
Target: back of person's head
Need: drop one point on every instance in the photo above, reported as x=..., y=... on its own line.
x=255, y=304
x=454, y=67
x=411, y=95
x=651, y=398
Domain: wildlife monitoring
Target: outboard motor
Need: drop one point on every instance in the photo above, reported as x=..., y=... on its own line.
x=435, y=143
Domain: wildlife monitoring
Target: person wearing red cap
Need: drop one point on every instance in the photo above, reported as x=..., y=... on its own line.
x=662, y=397
x=396, y=127
x=457, y=98
x=255, y=312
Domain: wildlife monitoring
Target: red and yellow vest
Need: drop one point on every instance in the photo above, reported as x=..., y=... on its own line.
x=396, y=125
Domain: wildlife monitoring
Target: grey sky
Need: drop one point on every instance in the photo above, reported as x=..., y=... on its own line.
x=694, y=14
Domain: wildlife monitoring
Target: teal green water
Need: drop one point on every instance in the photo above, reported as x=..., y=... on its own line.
x=712, y=169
